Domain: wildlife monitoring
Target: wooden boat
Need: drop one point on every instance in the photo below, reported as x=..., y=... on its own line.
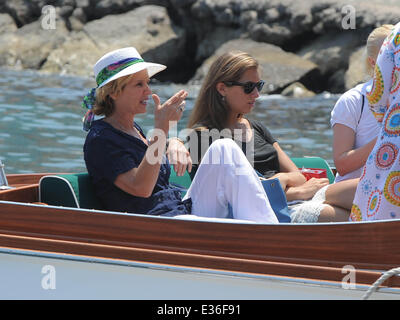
x=54, y=252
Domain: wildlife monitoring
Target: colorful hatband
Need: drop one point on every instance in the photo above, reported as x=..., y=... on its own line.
x=115, y=68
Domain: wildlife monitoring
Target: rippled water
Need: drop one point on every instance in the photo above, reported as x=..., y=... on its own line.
x=41, y=127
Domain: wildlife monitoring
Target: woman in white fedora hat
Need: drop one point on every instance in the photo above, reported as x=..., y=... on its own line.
x=130, y=171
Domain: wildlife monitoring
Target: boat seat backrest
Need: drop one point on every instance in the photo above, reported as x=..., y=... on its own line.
x=315, y=162
x=76, y=190
x=68, y=190
x=182, y=182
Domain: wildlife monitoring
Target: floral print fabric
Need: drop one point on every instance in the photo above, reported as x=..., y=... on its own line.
x=378, y=193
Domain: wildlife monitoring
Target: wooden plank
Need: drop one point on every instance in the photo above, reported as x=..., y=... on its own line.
x=26, y=178
x=363, y=245
x=29, y=193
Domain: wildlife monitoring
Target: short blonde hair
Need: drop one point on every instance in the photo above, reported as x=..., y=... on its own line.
x=374, y=43
x=104, y=104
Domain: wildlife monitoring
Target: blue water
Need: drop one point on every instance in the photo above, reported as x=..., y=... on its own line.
x=41, y=121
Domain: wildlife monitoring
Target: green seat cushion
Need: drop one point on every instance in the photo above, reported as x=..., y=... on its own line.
x=83, y=189
x=76, y=190
x=68, y=190
x=315, y=162
x=183, y=181
x=57, y=191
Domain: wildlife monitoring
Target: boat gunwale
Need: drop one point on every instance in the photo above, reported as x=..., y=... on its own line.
x=18, y=178
x=196, y=218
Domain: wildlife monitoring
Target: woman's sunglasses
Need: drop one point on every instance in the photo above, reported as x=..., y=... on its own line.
x=248, y=87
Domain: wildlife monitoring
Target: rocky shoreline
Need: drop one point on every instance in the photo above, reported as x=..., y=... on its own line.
x=317, y=43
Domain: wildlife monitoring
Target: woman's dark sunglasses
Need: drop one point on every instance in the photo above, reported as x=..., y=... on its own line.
x=248, y=87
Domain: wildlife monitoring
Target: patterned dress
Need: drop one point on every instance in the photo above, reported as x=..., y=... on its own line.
x=378, y=192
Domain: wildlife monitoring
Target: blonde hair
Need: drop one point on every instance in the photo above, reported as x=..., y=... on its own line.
x=374, y=43
x=104, y=104
x=210, y=110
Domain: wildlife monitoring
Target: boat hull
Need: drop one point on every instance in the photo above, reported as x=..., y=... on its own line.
x=35, y=275
x=294, y=254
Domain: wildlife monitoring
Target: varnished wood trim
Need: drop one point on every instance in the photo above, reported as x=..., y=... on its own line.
x=368, y=245
x=26, y=178
x=29, y=193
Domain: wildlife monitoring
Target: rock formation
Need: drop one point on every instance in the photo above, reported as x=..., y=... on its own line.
x=318, y=43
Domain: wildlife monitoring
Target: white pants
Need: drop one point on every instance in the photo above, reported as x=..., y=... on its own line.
x=225, y=177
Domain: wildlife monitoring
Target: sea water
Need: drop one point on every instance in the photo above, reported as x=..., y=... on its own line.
x=41, y=121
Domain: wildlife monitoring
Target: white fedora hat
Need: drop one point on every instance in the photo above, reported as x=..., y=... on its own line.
x=122, y=62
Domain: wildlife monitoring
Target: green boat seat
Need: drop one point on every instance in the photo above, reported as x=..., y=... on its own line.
x=68, y=190
x=76, y=190
x=182, y=182
x=315, y=162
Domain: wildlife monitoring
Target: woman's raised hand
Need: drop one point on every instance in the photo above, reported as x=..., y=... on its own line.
x=179, y=156
x=170, y=111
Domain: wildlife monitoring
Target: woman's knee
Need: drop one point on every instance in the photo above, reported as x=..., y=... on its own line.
x=224, y=144
x=333, y=214
x=223, y=151
x=227, y=153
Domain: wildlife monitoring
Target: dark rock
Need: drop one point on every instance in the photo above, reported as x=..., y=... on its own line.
x=335, y=83
x=316, y=29
x=332, y=51
x=214, y=40
x=274, y=34
x=182, y=3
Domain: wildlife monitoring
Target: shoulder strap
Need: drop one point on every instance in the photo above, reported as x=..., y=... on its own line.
x=362, y=106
